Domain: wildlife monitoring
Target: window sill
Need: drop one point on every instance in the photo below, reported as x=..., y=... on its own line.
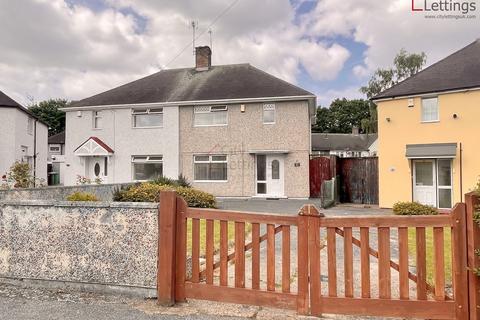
x=430, y=121
x=214, y=181
x=209, y=125
x=97, y=128
x=156, y=127
x=268, y=123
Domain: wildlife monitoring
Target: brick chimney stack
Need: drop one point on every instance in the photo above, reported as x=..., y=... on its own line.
x=203, y=58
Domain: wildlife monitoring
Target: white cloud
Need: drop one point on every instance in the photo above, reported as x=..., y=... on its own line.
x=71, y=51
x=388, y=26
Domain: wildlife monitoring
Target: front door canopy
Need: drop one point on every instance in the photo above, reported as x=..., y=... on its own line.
x=431, y=151
x=93, y=147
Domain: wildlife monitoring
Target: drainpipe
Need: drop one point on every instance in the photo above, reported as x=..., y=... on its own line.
x=34, y=152
x=461, y=173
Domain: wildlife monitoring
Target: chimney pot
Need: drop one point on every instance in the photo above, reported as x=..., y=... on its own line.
x=203, y=58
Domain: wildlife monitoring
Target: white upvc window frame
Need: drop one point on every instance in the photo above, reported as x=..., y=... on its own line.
x=146, y=159
x=209, y=161
x=269, y=107
x=210, y=110
x=147, y=111
x=97, y=116
x=423, y=120
x=54, y=146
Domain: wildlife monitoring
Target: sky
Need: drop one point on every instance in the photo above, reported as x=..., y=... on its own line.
x=76, y=48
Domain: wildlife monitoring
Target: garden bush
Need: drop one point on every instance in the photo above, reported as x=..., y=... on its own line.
x=413, y=208
x=82, y=196
x=150, y=192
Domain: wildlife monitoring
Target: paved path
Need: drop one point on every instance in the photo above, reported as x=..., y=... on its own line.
x=292, y=206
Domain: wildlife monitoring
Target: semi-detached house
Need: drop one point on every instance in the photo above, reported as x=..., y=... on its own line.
x=232, y=130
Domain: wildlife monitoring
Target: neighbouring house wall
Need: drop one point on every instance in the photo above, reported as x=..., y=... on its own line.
x=104, y=192
x=93, y=243
x=7, y=141
x=119, y=134
x=405, y=127
x=15, y=135
x=246, y=132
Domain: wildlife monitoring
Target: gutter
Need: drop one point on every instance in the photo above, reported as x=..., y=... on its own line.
x=425, y=94
x=311, y=98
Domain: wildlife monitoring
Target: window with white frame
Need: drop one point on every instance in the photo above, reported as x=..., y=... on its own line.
x=210, y=116
x=210, y=167
x=269, y=113
x=30, y=126
x=54, y=148
x=147, y=118
x=97, y=119
x=430, y=109
x=147, y=167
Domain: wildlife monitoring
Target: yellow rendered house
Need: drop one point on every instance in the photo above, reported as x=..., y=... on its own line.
x=429, y=133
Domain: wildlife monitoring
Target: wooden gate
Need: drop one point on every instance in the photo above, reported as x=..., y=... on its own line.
x=320, y=170
x=254, y=259
x=358, y=180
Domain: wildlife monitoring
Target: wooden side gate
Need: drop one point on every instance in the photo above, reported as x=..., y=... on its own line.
x=315, y=264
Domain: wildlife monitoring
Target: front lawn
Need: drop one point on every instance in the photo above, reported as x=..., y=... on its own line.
x=430, y=253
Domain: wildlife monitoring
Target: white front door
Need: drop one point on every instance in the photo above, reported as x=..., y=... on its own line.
x=98, y=169
x=270, y=175
x=424, y=182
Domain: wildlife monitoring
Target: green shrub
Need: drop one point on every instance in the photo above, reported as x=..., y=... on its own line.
x=413, y=208
x=180, y=182
x=477, y=188
x=150, y=192
x=82, y=196
x=183, y=182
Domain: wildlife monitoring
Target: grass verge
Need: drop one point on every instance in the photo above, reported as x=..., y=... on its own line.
x=430, y=252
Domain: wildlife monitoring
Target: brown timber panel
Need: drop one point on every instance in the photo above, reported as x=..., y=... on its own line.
x=421, y=264
x=314, y=262
x=209, y=248
x=384, y=273
x=195, y=250
x=438, y=243
x=365, y=261
x=473, y=259
x=271, y=257
x=348, y=261
x=286, y=259
x=403, y=263
x=224, y=253
x=358, y=180
x=240, y=254
x=332, y=262
x=255, y=256
x=320, y=170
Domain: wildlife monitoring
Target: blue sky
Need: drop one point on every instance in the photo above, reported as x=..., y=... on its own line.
x=76, y=48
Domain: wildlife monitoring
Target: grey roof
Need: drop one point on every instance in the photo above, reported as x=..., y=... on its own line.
x=58, y=138
x=460, y=70
x=432, y=150
x=236, y=81
x=342, y=141
x=7, y=102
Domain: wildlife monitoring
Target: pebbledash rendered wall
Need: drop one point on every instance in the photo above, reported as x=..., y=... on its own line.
x=110, y=245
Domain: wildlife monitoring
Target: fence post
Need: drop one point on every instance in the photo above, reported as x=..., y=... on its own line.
x=473, y=243
x=309, y=254
x=302, y=261
x=460, y=279
x=167, y=213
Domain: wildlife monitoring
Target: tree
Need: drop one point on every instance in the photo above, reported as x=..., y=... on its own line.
x=405, y=65
x=48, y=111
x=341, y=116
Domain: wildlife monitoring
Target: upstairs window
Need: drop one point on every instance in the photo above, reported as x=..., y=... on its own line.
x=210, y=167
x=97, y=119
x=430, y=110
x=210, y=116
x=30, y=126
x=147, y=118
x=147, y=167
x=268, y=113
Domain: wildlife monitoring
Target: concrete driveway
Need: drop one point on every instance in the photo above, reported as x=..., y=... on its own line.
x=292, y=206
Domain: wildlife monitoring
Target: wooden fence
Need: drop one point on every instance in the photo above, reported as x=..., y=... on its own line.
x=315, y=264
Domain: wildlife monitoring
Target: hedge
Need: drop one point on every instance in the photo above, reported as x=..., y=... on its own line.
x=413, y=208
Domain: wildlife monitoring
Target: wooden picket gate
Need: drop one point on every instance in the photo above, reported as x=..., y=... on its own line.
x=228, y=266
